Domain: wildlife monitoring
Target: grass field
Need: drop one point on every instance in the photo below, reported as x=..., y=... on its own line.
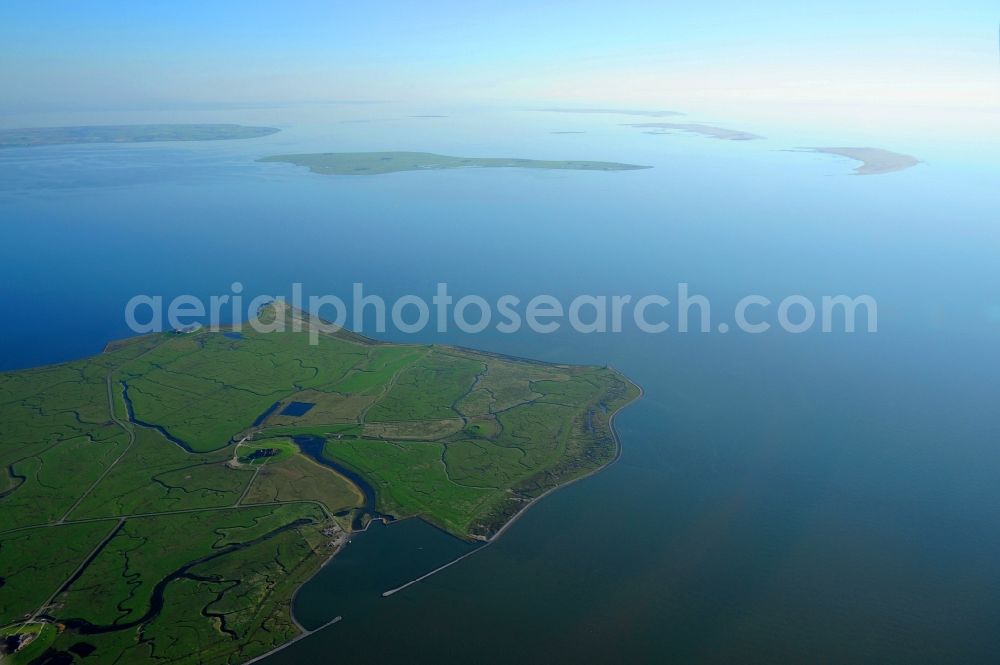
x=411, y=479
x=163, y=501
x=37, y=637
x=297, y=477
x=155, y=475
x=118, y=585
x=37, y=561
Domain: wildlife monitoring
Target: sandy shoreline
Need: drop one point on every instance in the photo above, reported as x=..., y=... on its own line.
x=874, y=161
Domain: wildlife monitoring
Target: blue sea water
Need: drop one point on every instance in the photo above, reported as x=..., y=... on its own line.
x=780, y=498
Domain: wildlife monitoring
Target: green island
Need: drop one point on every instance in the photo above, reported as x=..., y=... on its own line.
x=375, y=163
x=165, y=499
x=38, y=136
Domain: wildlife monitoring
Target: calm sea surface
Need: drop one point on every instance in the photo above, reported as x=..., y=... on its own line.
x=781, y=498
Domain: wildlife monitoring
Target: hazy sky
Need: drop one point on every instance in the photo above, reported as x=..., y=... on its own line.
x=108, y=54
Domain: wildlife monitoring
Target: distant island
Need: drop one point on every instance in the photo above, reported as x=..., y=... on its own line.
x=374, y=163
x=874, y=161
x=200, y=478
x=696, y=128
x=38, y=136
x=651, y=114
